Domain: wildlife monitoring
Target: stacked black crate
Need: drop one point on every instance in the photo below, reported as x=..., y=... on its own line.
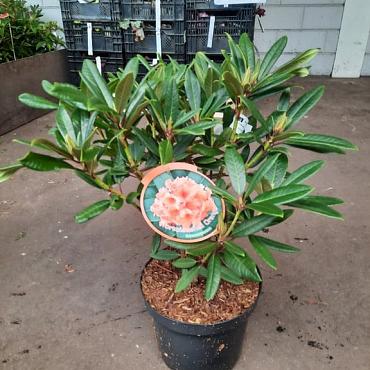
x=92, y=30
x=140, y=36
x=207, y=24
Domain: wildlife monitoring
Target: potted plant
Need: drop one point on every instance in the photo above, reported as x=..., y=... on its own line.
x=211, y=169
x=28, y=54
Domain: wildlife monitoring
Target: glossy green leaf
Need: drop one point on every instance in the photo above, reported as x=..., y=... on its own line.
x=41, y=162
x=275, y=245
x=223, y=194
x=37, y=102
x=123, y=91
x=205, y=150
x=92, y=211
x=283, y=194
x=321, y=143
x=234, y=248
x=266, y=208
x=213, y=277
x=235, y=168
x=165, y=255
x=304, y=172
x=7, y=171
x=197, y=128
x=230, y=276
x=261, y=172
x=284, y=100
x=253, y=225
x=272, y=55
x=165, y=151
x=192, y=89
x=232, y=85
x=88, y=179
x=147, y=140
x=276, y=174
x=247, y=48
x=95, y=83
x=328, y=201
x=263, y=252
x=316, y=207
x=184, y=263
x=303, y=105
x=186, y=279
x=299, y=60
x=244, y=267
x=156, y=243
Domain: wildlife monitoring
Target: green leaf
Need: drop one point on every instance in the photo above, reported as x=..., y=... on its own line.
x=260, y=173
x=184, y=118
x=7, y=171
x=223, y=193
x=266, y=208
x=321, y=143
x=92, y=211
x=37, y=102
x=303, y=172
x=186, y=279
x=298, y=61
x=123, y=92
x=84, y=176
x=244, y=267
x=275, y=245
x=146, y=140
x=232, y=84
x=230, y=276
x=95, y=83
x=328, y=201
x=247, y=48
x=316, y=207
x=263, y=252
x=252, y=107
x=276, y=174
x=234, y=248
x=284, y=100
x=205, y=150
x=235, y=167
x=165, y=255
x=156, y=243
x=253, y=225
x=184, y=263
x=44, y=144
x=132, y=196
x=194, y=249
x=192, y=89
x=237, y=57
x=213, y=277
x=65, y=124
x=284, y=194
x=165, y=151
x=272, y=56
x=197, y=128
x=287, y=135
x=41, y=162
x=171, y=103
x=303, y=105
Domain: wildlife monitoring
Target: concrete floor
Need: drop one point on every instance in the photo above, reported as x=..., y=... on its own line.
x=93, y=318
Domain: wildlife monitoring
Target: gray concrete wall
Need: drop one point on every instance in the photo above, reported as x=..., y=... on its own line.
x=366, y=64
x=308, y=24
x=51, y=10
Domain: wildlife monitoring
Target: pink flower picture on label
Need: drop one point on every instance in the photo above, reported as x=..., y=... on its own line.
x=177, y=202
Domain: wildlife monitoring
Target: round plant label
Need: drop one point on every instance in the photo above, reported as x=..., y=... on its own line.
x=178, y=204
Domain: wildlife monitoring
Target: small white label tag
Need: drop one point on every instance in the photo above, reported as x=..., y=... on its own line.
x=154, y=61
x=243, y=125
x=89, y=39
x=210, y=31
x=98, y=64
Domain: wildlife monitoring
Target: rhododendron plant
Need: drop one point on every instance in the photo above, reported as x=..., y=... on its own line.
x=192, y=113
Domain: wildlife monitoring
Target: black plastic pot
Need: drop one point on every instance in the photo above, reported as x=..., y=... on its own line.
x=185, y=346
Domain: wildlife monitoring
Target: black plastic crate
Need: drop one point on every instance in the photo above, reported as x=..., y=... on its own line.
x=145, y=9
x=101, y=10
x=106, y=36
x=110, y=62
x=233, y=22
x=172, y=38
x=210, y=4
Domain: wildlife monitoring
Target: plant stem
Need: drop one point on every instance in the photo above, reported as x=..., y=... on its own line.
x=232, y=225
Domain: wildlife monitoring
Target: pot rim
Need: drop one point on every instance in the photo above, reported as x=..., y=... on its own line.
x=217, y=324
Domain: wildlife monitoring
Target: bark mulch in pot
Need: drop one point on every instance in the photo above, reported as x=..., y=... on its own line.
x=158, y=284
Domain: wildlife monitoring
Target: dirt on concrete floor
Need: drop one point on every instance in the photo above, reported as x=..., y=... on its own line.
x=70, y=297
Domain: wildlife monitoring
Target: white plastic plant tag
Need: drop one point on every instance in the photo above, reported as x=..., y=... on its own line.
x=230, y=2
x=210, y=31
x=243, y=125
x=98, y=64
x=158, y=27
x=154, y=61
x=89, y=39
